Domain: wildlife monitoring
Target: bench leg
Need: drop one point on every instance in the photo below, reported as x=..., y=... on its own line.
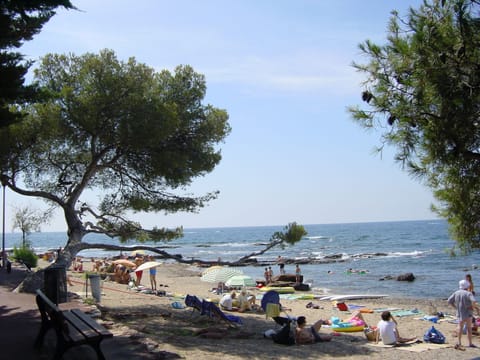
x=98, y=350
x=45, y=326
x=60, y=348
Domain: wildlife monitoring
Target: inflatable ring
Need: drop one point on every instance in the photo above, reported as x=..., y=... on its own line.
x=348, y=328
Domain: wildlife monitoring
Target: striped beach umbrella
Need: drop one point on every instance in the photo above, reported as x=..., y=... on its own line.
x=219, y=274
x=240, y=281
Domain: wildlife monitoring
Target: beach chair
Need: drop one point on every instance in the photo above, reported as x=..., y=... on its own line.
x=194, y=302
x=211, y=310
x=271, y=305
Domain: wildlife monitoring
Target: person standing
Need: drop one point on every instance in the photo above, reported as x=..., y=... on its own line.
x=464, y=302
x=281, y=265
x=153, y=276
x=298, y=274
x=471, y=288
x=138, y=261
x=270, y=274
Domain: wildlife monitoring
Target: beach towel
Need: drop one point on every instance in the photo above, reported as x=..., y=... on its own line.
x=178, y=305
x=401, y=312
x=272, y=310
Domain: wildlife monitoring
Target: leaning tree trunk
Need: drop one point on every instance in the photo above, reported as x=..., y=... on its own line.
x=36, y=279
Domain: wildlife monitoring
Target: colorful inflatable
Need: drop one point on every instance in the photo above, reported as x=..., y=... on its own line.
x=279, y=289
x=353, y=325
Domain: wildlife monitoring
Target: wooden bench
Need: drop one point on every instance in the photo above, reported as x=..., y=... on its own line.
x=72, y=327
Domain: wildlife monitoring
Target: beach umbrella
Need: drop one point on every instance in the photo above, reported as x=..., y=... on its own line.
x=124, y=262
x=148, y=265
x=240, y=280
x=211, y=268
x=138, y=252
x=220, y=274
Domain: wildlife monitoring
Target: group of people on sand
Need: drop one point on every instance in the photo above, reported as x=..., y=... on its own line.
x=121, y=273
x=241, y=303
x=387, y=332
x=137, y=281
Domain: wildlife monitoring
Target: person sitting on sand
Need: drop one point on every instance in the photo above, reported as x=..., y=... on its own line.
x=388, y=332
x=246, y=302
x=226, y=302
x=309, y=334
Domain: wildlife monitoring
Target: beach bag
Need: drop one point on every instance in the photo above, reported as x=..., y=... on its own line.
x=283, y=336
x=434, y=336
x=370, y=333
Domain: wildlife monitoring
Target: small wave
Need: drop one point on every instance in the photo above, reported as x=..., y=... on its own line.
x=317, y=237
x=231, y=245
x=415, y=253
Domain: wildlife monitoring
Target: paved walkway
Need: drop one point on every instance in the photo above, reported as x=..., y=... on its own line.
x=20, y=323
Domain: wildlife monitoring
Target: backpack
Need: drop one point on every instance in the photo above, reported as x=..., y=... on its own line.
x=283, y=336
x=434, y=336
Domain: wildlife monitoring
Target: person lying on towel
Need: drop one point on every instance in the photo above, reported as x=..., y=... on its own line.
x=309, y=334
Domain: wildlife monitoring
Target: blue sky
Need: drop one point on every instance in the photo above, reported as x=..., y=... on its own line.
x=282, y=70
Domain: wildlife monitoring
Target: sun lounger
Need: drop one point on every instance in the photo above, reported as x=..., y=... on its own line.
x=213, y=311
x=194, y=302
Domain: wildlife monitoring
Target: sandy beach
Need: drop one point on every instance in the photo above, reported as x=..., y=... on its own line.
x=179, y=333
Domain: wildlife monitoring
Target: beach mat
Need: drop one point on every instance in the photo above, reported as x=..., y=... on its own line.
x=424, y=347
x=401, y=312
x=413, y=346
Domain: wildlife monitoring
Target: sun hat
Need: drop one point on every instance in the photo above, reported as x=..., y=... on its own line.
x=463, y=284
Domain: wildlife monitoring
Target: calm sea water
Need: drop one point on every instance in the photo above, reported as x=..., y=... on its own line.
x=381, y=249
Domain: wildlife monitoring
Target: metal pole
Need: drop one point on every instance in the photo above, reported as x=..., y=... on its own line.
x=4, y=254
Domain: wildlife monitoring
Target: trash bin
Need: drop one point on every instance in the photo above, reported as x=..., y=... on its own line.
x=55, y=283
x=95, y=286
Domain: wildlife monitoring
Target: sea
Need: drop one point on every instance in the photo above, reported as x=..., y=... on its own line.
x=356, y=258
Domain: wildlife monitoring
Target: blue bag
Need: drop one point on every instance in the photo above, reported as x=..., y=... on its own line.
x=434, y=336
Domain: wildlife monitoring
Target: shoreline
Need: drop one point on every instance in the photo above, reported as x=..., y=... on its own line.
x=321, y=291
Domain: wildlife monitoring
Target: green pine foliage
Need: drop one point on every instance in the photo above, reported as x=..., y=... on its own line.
x=422, y=93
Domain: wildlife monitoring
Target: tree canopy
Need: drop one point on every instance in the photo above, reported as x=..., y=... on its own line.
x=422, y=91
x=134, y=136
x=20, y=20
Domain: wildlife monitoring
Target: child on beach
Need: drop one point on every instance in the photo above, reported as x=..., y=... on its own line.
x=388, y=332
x=153, y=275
x=298, y=273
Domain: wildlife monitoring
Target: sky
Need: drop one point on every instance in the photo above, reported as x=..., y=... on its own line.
x=282, y=70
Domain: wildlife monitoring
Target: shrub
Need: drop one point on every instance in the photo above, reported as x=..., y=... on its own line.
x=26, y=255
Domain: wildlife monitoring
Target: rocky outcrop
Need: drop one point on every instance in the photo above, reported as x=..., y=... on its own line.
x=402, y=277
x=406, y=277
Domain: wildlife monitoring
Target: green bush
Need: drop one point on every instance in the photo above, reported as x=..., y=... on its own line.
x=26, y=255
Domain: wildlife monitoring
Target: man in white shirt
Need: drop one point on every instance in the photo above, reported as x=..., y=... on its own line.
x=388, y=332
x=226, y=302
